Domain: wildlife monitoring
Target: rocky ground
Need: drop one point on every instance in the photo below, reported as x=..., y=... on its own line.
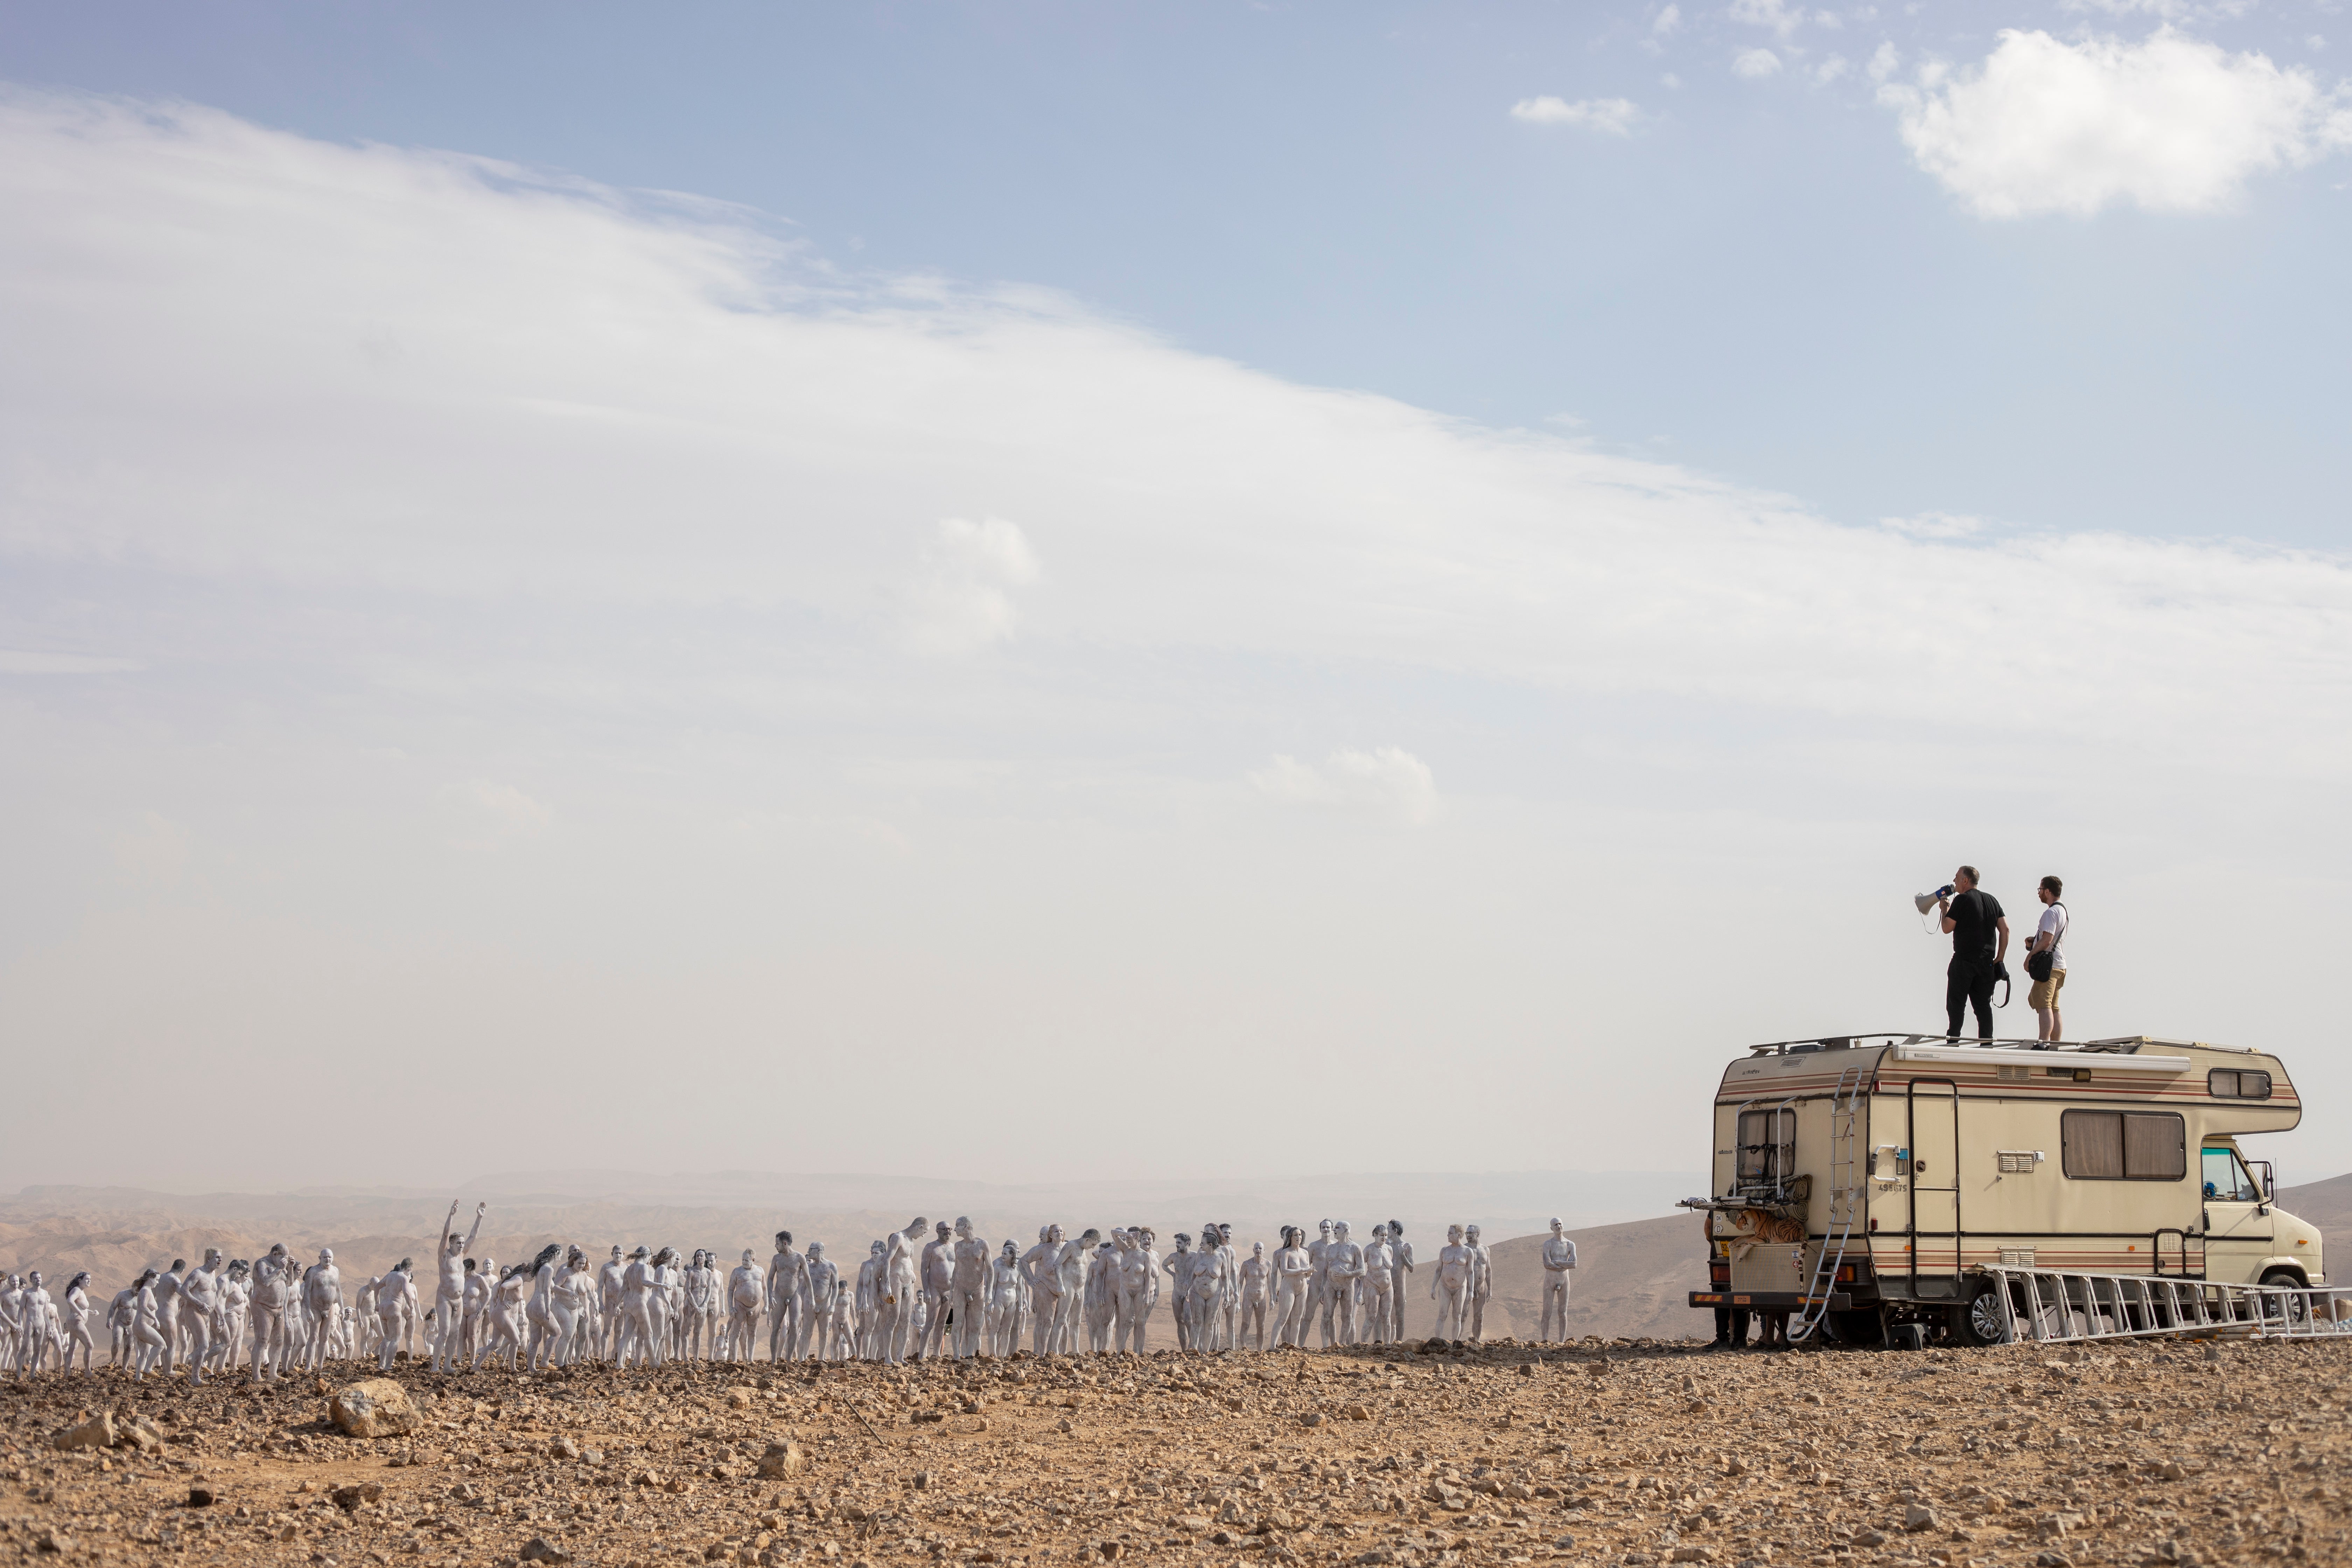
x=1643, y=1452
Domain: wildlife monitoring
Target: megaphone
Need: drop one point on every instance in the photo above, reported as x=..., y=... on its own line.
x=1928, y=900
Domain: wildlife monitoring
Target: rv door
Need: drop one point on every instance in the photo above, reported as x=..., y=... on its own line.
x=1934, y=1131
x=2237, y=1223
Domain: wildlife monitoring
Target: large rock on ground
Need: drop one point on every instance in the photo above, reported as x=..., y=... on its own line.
x=783, y=1459
x=89, y=1432
x=378, y=1407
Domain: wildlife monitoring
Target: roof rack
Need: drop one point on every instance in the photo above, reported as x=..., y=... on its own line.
x=2117, y=1045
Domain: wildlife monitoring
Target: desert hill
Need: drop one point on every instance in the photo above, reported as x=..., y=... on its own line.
x=2328, y=1206
x=1630, y=1280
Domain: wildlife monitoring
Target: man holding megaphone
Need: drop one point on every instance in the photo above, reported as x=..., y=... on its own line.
x=1975, y=920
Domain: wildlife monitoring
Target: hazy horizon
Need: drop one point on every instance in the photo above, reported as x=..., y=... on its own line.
x=1505, y=1203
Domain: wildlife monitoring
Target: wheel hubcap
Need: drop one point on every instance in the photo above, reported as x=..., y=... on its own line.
x=1984, y=1318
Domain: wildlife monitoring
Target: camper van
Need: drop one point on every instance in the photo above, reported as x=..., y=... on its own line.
x=1872, y=1179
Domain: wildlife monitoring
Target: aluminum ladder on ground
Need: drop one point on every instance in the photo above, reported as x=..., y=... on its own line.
x=2065, y=1305
x=1845, y=1195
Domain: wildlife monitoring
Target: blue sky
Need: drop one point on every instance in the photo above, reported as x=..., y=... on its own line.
x=1759, y=280
x=948, y=557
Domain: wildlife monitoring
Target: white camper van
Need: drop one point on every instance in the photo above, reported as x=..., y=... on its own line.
x=1886, y=1171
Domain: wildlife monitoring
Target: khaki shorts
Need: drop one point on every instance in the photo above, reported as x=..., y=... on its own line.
x=2044, y=995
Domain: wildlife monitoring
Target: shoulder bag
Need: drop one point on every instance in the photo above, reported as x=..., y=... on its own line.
x=2039, y=964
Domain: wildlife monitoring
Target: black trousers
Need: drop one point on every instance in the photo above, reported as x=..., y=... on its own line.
x=1968, y=983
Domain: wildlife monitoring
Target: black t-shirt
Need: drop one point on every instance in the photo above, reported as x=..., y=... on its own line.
x=1973, y=914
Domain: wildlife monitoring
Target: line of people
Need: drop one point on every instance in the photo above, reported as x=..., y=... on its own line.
x=1095, y=1294
x=200, y=1318
x=913, y=1296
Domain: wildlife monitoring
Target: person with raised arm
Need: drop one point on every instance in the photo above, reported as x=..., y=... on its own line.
x=449, y=1290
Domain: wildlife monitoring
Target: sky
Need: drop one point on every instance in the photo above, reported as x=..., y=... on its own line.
x=1037, y=593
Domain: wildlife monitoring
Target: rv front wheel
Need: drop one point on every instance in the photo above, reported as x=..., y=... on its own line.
x=1979, y=1321
x=2291, y=1308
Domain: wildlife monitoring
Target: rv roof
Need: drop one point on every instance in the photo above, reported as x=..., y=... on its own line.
x=2120, y=1044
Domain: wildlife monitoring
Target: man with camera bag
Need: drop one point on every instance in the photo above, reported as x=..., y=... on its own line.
x=1975, y=920
x=2045, y=960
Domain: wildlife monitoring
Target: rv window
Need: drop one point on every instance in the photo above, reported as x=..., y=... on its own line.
x=2091, y=1145
x=1767, y=1146
x=2155, y=1146
x=2226, y=1180
x=2238, y=1083
x=2123, y=1146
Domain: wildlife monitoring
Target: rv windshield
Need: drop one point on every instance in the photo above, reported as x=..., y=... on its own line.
x=2226, y=1180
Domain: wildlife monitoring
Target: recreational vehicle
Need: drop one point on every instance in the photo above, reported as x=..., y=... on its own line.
x=1868, y=1181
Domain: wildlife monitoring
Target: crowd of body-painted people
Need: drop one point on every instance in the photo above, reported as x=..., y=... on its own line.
x=911, y=1297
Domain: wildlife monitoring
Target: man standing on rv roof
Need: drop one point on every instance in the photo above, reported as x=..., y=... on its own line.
x=2049, y=937
x=1974, y=919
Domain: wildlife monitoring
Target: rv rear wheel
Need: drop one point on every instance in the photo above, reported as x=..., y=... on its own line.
x=1977, y=1321
x=1862, y=1326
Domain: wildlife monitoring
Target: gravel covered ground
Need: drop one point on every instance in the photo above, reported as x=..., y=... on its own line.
x=1617, y=1453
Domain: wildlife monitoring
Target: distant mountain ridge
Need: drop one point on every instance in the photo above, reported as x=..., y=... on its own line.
x=753, y=1205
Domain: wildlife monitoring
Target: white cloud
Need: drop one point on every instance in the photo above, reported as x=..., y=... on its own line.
x=2171, y=124
x=1388, y=782
x=1884, y=62
x=1669, y=20
x=1778, y=15
x=1610, y=116
x=962, y=597
x=1830, y=70
x=670, y=415
x=1934, y=525
x=1755, y=64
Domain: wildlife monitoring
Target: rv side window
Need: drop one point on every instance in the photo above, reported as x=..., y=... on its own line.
x=2238, y=1083
x=1767, y=1146
x=2124, y=1145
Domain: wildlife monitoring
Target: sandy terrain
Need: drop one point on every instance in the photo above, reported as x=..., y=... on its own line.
x=1602, y=1454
